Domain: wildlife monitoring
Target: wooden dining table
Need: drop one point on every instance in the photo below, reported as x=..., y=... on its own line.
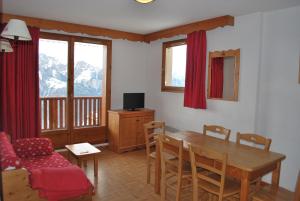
x=245, y=163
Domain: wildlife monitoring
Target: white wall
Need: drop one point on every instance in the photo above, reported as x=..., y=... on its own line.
x=278, y=113
x=239, y=116
x=269, y=95
x=128, y=70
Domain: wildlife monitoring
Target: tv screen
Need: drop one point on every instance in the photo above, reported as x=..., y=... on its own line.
x=131, y=101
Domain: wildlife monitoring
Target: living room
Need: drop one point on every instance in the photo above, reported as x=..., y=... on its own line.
x=267, y=34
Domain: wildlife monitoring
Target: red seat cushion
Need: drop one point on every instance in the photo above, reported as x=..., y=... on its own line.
x=53, y=160
x=8, y=157
x=60, y=183
x=32, y=147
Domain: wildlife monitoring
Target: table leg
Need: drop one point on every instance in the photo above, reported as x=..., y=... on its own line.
x=245, y=184
x=276, y=174
x=79, y=162
x=68, y=155
x=157, y=169
x=95, y=166
x=85, y=163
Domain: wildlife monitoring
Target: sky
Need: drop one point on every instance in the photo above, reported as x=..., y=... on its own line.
x=54, y=48
x=179, y=61
x=90, y=53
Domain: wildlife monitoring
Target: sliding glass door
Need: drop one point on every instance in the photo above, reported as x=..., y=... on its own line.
x=74, y=81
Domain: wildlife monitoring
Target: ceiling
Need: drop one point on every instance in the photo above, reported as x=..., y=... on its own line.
x=127, y=15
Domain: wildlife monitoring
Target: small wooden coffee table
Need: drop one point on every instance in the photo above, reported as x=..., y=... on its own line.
x=83, y=152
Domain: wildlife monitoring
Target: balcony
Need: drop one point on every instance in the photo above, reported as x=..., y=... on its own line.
x=54, y=113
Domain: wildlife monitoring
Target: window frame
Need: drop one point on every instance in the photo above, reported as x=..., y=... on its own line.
x=236, y=72
x=166, y=45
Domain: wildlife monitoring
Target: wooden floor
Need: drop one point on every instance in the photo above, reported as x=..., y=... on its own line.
x=122, y=177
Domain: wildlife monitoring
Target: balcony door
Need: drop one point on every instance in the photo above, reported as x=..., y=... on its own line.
x=74, y=88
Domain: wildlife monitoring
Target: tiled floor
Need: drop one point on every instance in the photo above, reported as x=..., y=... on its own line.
x=122, y=177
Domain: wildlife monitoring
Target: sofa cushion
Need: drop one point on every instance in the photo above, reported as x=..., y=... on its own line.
x=8, y=157
x=32, y=147
x=55, y=160
x=60, y=183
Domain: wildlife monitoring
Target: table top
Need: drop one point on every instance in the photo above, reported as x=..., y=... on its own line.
x=241, y=156
x=82, y=149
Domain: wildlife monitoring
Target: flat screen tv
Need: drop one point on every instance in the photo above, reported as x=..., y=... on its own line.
x=133, y=101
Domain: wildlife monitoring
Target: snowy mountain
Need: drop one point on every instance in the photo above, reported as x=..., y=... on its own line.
x=53, y=78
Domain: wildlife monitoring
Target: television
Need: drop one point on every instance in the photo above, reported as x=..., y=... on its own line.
x=132, y=101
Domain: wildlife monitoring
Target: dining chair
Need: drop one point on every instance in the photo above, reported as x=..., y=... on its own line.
x=272, y=193
x=173, y=174
x=254, y=138
x=151, y=130
x=218, y=130
x=215, y=184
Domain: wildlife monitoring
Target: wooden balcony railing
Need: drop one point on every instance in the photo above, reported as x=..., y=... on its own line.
x=53, y=113
x=86, y=112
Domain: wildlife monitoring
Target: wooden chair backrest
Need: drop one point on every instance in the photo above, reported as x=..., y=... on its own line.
x=151, y=130
x=173, y=147
x=213, y=158
x=254, y=138
x=297, y=189
x=217, y=129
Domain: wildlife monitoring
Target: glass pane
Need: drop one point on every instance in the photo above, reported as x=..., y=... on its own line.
x=53, y=74
x=53, y=62
x=175, y=66
x=88, y=69
x=89, y=61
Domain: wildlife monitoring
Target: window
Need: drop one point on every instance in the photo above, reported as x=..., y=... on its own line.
x=174, y=65
x=89, y=65
x=53, y=76
x=88, y=69
x=74, y=74
x=53, y=67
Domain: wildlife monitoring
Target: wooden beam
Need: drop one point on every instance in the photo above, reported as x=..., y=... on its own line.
x=208, y=24
x=73, y=28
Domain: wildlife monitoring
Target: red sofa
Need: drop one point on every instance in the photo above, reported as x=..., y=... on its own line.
x=31, y=171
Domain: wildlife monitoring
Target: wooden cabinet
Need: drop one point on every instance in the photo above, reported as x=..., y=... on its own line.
x=126, y=128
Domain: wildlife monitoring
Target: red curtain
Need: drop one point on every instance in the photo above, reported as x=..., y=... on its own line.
x=217, y=77
x=194, y=92
x=19, y=89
